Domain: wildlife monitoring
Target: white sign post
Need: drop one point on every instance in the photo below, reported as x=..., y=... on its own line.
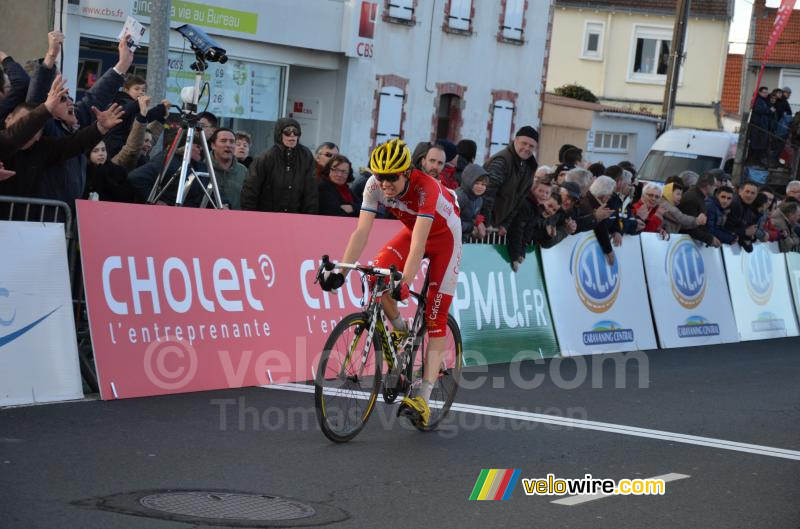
x=689, y=295
x=598, y=308
x=38, y=347
x=760, y=292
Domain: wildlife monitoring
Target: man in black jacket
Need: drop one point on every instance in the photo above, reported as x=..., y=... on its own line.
x=510, y=177
x=693, y=203
x=282, y=178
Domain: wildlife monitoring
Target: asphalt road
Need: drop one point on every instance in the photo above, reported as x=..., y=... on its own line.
x=58, y=462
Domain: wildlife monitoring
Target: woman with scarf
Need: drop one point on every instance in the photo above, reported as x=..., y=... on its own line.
x=335, y=197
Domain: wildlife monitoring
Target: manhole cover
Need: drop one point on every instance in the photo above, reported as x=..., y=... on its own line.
x=218, y=507
x=227, y=506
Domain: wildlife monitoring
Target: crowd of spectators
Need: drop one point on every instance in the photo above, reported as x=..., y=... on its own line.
x=102, y=146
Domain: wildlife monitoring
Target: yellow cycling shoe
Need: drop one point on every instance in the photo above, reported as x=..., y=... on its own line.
x=416, y=410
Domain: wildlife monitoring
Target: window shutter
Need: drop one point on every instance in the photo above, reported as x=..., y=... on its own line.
x=390, y=113
x=512, y=22
x=403, y=9
x=460, y=14
x=502, y=115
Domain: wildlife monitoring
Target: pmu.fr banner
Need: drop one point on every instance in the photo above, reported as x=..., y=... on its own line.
x=597, y=307
x=38, y=347
x=183, y=299
x=503, y=316
x=762, y=301
x=688, y=292
x=793, y=265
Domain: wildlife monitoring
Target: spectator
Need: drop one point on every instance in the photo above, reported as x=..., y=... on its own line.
x=17, y=87
x=693, y=204
x=570, y=195
x=20, y=133
x=786, y=219
x=467, y=151
x=562, y=150
x=718, y=207
x=674, y=220
x=556, y=224
x=689, y=179
x=208, y=122
x=792, y=191
x=650, y=210
x=143, y=178
x=620, y=202
x=106, y=178
x=543, y=173
x=743, y=218
x=147, y=147
x=323, y=155
x=560, y=173
x=597, y=169
x=282, y=178
x=760, y=126
x=335, y=197
x=573, y=158
x=510, y=176
x=429, y=158
x=765, y=230
x=229, y=172
x=133, y=87
x=39, y=153
x=447, y=174
x=474, y=180
x=582, y=177
x=527, y=221
x=637, y=185
x=243, y=143
x=594, y=203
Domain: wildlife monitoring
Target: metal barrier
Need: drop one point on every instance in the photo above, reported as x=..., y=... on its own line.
x=492, y=237
x=55, y=211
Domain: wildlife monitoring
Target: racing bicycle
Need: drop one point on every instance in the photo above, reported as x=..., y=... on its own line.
x=362, y=359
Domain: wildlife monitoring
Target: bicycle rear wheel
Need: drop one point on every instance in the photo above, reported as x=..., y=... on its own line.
x=348, y=379
x=444, y=391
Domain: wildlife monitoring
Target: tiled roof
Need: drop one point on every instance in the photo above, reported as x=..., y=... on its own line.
x=709, y=8
x=597, y=107
x=787, y=50
x=731, y=85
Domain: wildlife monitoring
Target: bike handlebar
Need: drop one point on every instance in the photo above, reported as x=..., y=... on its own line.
x=391, y=272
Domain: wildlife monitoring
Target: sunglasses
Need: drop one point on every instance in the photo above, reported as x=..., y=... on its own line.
x=391, y=178
x=291, y=132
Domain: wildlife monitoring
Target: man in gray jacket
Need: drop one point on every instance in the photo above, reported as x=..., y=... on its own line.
x=282, y=178
x=510, y=178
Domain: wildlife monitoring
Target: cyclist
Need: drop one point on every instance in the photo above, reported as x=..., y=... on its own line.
x=432, y=228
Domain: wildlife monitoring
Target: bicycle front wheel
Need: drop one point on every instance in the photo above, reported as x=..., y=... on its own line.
x=449, y=378
x=348, y=379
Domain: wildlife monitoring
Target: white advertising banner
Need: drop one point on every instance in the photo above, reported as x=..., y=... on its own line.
x=793, y=264
x=598, y=308
x=690, y=299
x=760, y=292
x=38, y=347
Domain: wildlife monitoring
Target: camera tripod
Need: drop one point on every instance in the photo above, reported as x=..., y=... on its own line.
x=187, y=175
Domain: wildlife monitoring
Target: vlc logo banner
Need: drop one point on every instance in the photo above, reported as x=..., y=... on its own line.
x=598, y=307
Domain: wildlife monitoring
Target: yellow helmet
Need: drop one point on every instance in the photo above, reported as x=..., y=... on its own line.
x=390, y=158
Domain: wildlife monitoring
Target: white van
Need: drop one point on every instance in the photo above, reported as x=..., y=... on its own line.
x=679, y=150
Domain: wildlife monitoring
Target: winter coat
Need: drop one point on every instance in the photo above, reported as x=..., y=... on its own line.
x=18, y=134
x=144, y=178
x=653, y=222
x=109, y=181
x=510, y=179
x=693, y=204
x=331, y=201
x=761, y=122
x=791, y=240
x=469, y=204
x=716, y=221
x=602, y=229
x=17, y=88
x=230, y=181
x=674, y=221
x=117, y=136
x=740, y=217
x=620, y=220
x=526, y=225
x=282, y=179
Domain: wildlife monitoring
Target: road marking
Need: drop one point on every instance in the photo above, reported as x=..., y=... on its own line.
x=583, y=498
x=634, y=431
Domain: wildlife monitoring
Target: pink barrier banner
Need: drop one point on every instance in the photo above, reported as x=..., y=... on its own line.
x=184, y=300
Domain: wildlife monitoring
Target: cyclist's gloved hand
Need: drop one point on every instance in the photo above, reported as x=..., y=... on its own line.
x=334, y=281
x=400, y=293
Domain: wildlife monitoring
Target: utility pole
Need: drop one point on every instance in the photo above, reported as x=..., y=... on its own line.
x=157, y=50
x=675, y=60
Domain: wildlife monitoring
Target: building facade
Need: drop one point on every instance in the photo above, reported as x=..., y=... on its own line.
x=353, y=72
x=619, y=50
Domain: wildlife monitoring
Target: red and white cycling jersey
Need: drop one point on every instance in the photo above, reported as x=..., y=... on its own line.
x=424, y=197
